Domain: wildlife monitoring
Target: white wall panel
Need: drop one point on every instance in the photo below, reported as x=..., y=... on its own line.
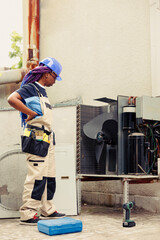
x=103, y=45
x=155, y=45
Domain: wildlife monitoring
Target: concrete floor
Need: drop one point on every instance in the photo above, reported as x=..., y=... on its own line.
x=99, y=223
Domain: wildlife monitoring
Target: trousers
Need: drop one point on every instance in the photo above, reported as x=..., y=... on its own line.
x=39, y=186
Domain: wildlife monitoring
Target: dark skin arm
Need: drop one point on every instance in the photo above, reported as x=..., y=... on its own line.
x=15, y=101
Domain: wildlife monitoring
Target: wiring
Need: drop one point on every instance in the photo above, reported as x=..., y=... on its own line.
x=151, y=133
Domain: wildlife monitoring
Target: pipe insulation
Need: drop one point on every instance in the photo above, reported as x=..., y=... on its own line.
x=12, y=76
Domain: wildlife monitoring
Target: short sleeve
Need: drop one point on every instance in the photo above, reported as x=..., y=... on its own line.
x=27, y=91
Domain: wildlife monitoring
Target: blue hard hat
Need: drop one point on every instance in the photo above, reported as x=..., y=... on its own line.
x=54, y=65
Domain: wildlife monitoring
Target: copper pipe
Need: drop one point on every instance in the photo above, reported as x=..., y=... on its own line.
x=129, y=100
x=133, y=100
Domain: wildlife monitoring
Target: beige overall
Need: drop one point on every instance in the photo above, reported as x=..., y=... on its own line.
x=39, y=186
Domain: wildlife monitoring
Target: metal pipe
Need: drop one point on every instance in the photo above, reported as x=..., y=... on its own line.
x=33, y=34
x=12, y=76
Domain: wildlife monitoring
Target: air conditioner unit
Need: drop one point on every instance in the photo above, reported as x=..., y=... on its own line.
x=121, y=137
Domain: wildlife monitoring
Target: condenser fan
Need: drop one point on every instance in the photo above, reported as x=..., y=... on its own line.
x=103, y=129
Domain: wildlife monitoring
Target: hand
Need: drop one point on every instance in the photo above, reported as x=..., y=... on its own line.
x=30, y=117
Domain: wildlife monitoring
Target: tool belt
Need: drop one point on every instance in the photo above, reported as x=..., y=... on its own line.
x=35, y=140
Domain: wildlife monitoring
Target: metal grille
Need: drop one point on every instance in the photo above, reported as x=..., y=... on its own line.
x=78, y=133
x=86, y=162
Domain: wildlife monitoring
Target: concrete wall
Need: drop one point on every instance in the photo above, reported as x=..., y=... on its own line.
x=110, y=193
x=5, y=91
x=103, y=45
x=155, y=45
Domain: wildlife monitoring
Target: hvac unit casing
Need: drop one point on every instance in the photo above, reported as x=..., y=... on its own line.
x=119, y=138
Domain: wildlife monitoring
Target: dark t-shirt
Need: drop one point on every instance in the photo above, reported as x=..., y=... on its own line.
x=28, y=90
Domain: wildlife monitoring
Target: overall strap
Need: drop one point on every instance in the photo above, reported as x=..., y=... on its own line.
x=39, y=93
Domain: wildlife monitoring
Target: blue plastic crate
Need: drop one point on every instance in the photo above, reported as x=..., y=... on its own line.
x=59, y=226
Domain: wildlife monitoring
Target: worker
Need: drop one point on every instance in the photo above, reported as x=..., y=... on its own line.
x=38, y=141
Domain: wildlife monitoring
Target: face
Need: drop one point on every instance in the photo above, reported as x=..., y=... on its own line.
x=50, y=79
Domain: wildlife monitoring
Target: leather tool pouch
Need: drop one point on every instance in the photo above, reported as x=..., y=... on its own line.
x=33, y=144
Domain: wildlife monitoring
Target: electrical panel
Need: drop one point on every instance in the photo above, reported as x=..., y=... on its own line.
x=148, y=108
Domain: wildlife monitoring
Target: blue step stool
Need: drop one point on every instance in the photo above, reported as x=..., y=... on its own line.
x=59, y=226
